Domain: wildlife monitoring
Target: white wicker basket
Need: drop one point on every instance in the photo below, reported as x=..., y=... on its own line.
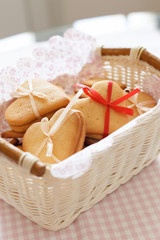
x=54, y=202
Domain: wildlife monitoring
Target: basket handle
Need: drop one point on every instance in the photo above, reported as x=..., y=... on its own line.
x=18, y=156
x=145, y=55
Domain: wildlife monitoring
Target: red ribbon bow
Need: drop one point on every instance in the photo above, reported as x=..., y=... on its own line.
x=98, y=98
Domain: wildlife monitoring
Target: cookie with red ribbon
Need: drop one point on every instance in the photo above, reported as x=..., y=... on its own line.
x=105, y=108
x=92, y=81
x=55, y=140
x=35, y=99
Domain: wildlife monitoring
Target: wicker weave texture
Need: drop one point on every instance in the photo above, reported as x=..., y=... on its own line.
x=55, y=203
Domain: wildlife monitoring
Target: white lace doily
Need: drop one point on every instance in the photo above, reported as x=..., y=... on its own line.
x=61, y=61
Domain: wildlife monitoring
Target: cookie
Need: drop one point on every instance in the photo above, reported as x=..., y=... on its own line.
x=21, y=111
x=83, y=95
x=96, y=137
x=20, y=147
x=140, y=104
x=11, y=134
x=90, y=82
x=89, y=141
x=23, y=128
x=67, y=140
x=14, y=141
x=94, y=112
x=71, y=96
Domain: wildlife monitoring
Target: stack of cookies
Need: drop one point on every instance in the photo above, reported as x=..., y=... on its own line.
x=31, y=105
x=104, y=107
x=95, y=113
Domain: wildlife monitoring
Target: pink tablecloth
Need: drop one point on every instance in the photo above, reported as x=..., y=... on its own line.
x=131, y=212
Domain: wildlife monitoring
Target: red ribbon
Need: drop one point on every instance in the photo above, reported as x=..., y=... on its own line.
x=98, y=98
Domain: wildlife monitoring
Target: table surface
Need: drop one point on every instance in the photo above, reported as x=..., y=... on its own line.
x=133, y=210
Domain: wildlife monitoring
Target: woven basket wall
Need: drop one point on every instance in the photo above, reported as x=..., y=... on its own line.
x=55, y=203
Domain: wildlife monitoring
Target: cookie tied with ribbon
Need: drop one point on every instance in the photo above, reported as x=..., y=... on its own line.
x=140, y=103
x=105, y=109
x=35, y=99
x=55, y=140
